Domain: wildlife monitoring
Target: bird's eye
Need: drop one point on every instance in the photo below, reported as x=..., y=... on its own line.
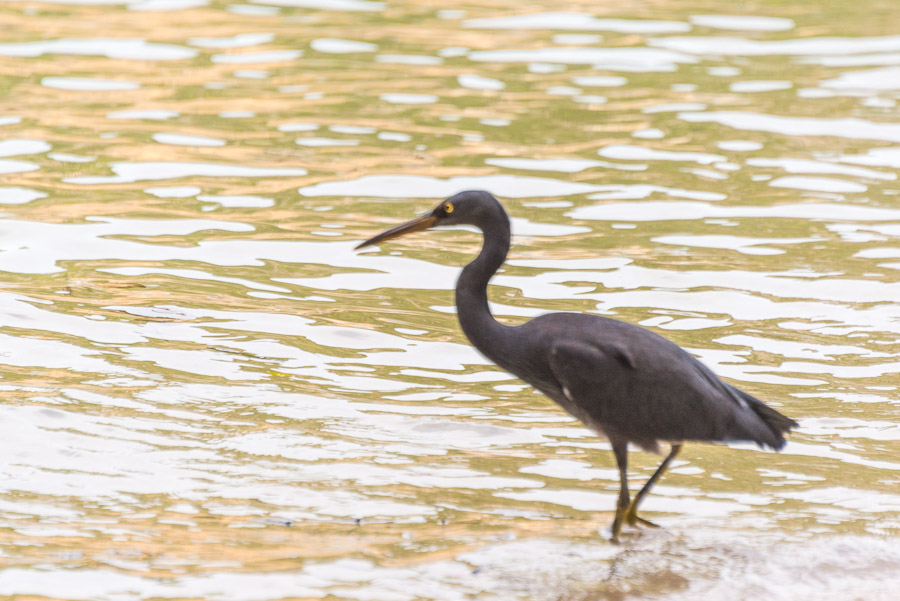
x=448, y=208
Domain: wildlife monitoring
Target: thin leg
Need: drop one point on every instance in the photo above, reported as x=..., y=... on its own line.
x=631, y=514
x=620, y=450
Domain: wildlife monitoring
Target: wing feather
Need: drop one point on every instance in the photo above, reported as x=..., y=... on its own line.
x=661, y=395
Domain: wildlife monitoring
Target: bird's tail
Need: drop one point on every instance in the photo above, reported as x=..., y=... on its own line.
x=778, y=423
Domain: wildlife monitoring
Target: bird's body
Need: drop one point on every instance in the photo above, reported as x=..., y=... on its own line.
x=623, y=381
x=628, y=383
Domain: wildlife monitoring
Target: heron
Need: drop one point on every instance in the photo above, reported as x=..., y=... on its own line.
x=626, y=383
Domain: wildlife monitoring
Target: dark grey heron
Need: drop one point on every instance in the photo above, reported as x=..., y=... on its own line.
x=624, y=382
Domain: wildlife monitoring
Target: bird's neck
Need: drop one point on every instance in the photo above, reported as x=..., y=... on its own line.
x=479, y=326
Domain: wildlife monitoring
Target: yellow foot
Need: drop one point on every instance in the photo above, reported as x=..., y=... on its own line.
x=632, y=519
x=636, y=521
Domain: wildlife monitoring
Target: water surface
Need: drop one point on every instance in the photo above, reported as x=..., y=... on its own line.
x=208, y=394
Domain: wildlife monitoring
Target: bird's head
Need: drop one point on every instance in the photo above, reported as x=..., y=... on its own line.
x=472, y=207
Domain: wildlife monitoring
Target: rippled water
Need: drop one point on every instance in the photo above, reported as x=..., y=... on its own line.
x=208, y=394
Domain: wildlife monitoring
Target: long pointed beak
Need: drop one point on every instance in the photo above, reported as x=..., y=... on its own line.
x=416, y=225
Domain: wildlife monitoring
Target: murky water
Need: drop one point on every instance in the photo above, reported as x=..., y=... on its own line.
x=208, y=394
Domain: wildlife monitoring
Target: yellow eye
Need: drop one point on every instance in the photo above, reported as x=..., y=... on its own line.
x=448, y=208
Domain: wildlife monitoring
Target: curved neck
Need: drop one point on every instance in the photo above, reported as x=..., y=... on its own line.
x=479, y=326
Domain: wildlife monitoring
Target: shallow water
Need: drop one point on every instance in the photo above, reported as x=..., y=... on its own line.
x=208, y=394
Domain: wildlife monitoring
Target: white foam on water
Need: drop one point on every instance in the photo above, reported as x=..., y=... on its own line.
x=742, y=22
x=799, y=350
x=324, y=142
x=590, y=99
x=600, y=81
x=89, y=84
x=295, y=127
x=545, y=68
x=879, y=253
x=15, y=146
x=54, y=354
x=408, y=59
x=815, y=93
x=478, y=82
x=404, y=98
x=739, y=145
x=250, y=10
x=252, y=58
x=883, y=79
x=339, y=46
x=571, y=470
x=89, y=2
x=724, y=71
x=576, y=22
x=630, y=152
x=792, y=165
x=148, y=114
x=859, y=129
x=742, y=244
x=352, y=129
x=677, y=210
x=638, y=58
x=674, y=107
x=560, y=165
x=691, y=562
x=563, y=91
x=854, y=60
x=336, y=5
x=238, y=201
x=818, y=184
x=158, y=170
x=14, y=195
x=145, y=5
x=760, y=86
x=184, y=140
x=174, y=191
x=688, y=506
x=651, y=133
x=636, y=191
x=420, y=186
x=17, y=166
x=64, y=157
x=240, y=40
x=577, y=39
x=165, y=5
x=876, y=102
x=453, y=52
x=730, y=46
x=193, y=274
x=876, y=157
x=250, y=74
x=134, y=49
x=524, y=227
x=393, y=136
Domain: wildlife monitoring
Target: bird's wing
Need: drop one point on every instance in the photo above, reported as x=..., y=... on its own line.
x=648, y=396
x=593, y=380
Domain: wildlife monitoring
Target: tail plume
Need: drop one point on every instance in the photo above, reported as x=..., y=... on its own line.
x=778, y=423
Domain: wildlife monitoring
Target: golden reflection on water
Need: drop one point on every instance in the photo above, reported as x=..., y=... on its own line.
x=208, y=394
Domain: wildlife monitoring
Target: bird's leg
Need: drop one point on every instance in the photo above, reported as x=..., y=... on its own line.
x=620, y=450
x=631, y=514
